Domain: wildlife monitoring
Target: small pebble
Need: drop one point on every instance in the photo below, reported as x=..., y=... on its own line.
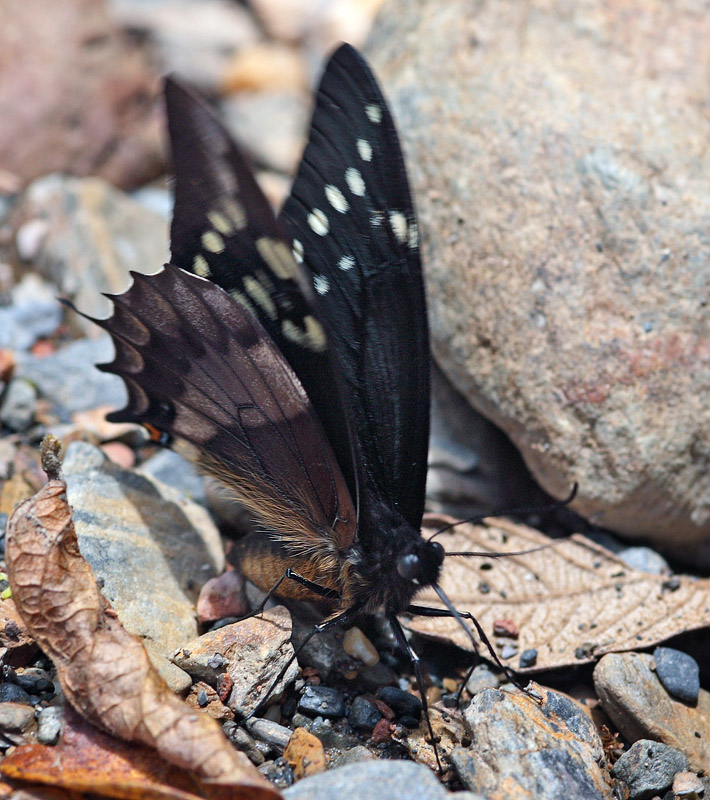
x=357, y=645
x=33, y=681
x=528, y=658
x=322, y=701
x=305, y=753
x=364, y=714
x=278, y=772
x=12, y=693
x=18, y=405
x=645, y=560
x=408, y=722
x=687, y=784
x=49, y=723
x=678, y=672
x=382, y=732
x=648, y=767
x=242, y=741
x=270, y=732
x=508, y=651
x=481, y=678
x=401, y=702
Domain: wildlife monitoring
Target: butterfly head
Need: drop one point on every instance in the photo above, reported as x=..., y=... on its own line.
x=423, y=565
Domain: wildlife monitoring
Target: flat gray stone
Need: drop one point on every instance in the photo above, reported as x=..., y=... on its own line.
x=150, y=546
x=522, y=749
x=394, y=780
x=69, y=379
x=634, y=698
x=648, y=768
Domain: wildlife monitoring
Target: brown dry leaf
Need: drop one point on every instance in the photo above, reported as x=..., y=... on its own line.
x=87, y=760
x=571, y=602
x=104, y=671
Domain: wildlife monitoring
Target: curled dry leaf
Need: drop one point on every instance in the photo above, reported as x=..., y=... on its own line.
x=572, y=602
x=104, y=671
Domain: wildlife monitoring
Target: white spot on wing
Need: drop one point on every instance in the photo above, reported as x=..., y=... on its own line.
x=260, y=295
x=346, y=263
x=277, y=256
x=355, y=182
x=413, y=235
x=336, y=199
x=298, y=251
x=318, y=222
x=235, y=211
x=213, y=242
x=365, y=150
x=399, y=226
x=374, y=113
x=220, y=223
x=311, y=336
x=201, y=267
x=321, y=284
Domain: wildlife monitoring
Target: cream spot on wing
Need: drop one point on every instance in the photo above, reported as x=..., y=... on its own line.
x=244, y=301
x=277, y=256
x=336, y=199
x=201, y=267
x=321, y=284
x=346, y=263
x=220, y=223
x=318, y=222
x=234, y=210
x=374, y=113
x=355, y=182
x=260, y=296
x=376, y=219
x=298, y=251
x=399, y=226
x=311, y=336
x=413, y=235
x=213, y=242
x=365, y=150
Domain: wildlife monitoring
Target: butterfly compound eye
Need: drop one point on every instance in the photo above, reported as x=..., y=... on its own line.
x=408, y=566
x=438, y=552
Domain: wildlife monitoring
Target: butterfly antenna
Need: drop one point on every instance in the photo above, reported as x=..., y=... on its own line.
x=511, y=512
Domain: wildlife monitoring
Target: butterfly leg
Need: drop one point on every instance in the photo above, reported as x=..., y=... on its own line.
x=340, y=618
x=290, y=574
x=416, y=663
x=425, y=611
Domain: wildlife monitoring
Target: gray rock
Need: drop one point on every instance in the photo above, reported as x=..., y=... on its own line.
x=634, y=698
x=678, y=672
x=195, y=38
x=473, y=466
x=395, y=780
x=353, y=755
x=401, y=702
x=597, y=230
x=481, y=678
x=18, y=405
x=173, y=470
x=12, y=693
x=150, y=546
x=95, y=235
x=69, y=379
x=644, y=559
x=270, y=732
x=322, y=701
x=49, y=724
x=34, y=312
x=363, y=714
x=516, y=741
x=280, y=144
x=323, y=651
x=252, y=652
x=648, y=768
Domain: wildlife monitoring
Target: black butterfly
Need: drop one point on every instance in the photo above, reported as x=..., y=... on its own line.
x=295, y=367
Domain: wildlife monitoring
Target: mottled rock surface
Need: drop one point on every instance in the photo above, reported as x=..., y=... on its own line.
x=559, y=160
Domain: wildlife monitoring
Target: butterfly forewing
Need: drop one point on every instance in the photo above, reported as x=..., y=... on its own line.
x=352, y=220
x=224, y=229
x=200, y=367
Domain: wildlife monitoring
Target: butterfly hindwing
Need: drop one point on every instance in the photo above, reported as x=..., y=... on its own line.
x=201, y=368
x=352, y=220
